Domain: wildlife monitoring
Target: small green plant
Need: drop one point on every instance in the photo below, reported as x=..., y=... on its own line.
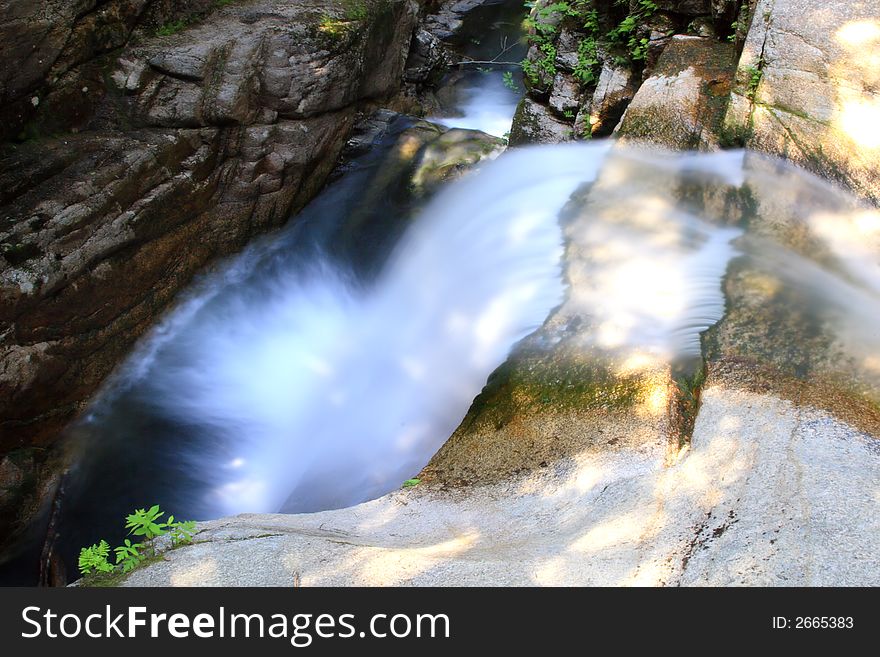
x=509, y=82
x=356, y=10
x=630, y=36
x=147, y=523
x=639, y=49
x=94, y=559
x=182, y=531
x=734, y=28
x=543, y=28
x=754, y=74
x=411, y=483
x=129, y=556
x=588, y=61
x=542, y=68
x=171, y=28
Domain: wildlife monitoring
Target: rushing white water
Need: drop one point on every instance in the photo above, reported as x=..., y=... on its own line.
x=330, y=390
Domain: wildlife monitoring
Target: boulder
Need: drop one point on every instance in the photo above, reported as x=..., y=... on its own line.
x=565, y=95
x=681, y=105
x=616, y=88
x=428, y=59
x=535, y=123
x=567, y=44
x=446, y=19
x=660, y=29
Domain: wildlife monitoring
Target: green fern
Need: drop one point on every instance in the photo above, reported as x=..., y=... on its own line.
x=94, y=558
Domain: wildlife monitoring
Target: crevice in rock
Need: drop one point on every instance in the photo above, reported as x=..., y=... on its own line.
x=685, y=397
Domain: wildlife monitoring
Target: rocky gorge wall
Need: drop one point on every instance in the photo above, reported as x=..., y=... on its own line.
x=142, y=140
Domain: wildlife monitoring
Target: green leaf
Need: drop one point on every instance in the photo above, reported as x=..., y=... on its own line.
x=411, y=483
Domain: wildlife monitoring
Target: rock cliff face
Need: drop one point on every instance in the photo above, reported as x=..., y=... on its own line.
x=681, y=104
x=147, y=139
x=808, y=88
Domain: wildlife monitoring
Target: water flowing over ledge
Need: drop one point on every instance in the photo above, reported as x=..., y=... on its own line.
x=301, y=378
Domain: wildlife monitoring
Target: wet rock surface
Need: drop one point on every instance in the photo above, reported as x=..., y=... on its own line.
x=615, y=89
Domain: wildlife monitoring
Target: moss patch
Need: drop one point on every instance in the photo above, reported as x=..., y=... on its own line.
x=541, y=408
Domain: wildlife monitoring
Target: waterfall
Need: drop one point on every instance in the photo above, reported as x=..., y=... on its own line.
x=291, y=380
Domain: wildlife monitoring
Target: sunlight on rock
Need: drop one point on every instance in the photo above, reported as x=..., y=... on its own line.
x=730, y=424
x=650, y=573
x=393, y=566
x=854, y=237
x=658, y=398
x=409, y=147
x=858, y=34
x=379, y=517
x=587, y=478
x=690, y=475
x=859, y=119
x=195, y=574
x=638, y=362
x=629, y=527
x=550, y=573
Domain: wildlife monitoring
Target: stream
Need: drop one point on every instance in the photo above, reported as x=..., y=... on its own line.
x=477, y=96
